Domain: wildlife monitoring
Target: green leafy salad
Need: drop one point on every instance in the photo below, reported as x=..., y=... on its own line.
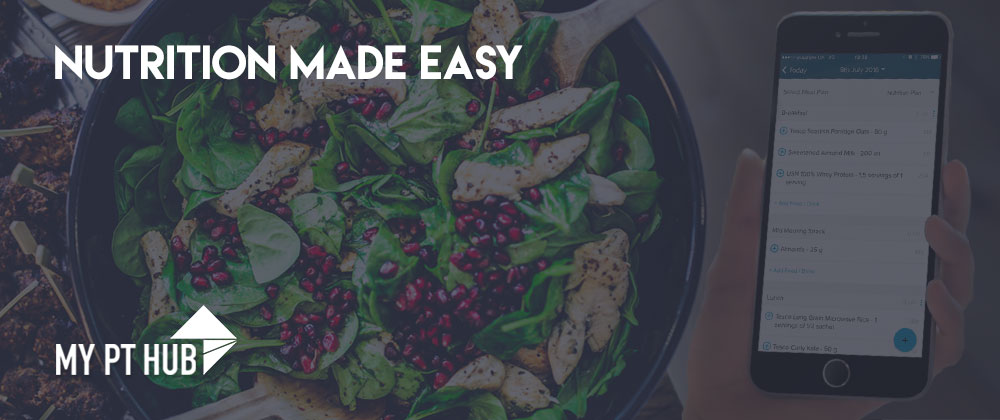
x=441, y=248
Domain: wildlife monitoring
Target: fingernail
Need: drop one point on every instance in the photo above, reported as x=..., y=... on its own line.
x=749, y=153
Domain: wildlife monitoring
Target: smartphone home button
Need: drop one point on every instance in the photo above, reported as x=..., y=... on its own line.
x=836, y=373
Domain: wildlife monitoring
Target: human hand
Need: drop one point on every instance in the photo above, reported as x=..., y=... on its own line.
x=718, y=369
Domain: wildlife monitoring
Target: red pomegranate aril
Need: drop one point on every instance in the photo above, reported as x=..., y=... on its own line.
x=643, y=219
x=315, y=251
x=349, y=296
x=505, y=220
x=296, y=341
x=177, y=244
x=511, y=100
x=388, y=270
x=534, y=195
x=197, y=267
x=266, y=313
x=272, y=291
x=336, y=322
x=208, y=224
x=300, y=318
x=501, y=258
x=335, y=29
x=464, y=305
x=182, y=261
x=491, y=201
x=222, y=278
x=384, y=111
x=446, y=340
x=620, y=151
x=519, y=289
x=229, y=252
x=542, y=264
x=475, y=320
x=369, y=109
x=330, y=342
x=535, y=93
x=534, y=144
x=494, y=134
x=330, y=312
x=370, y=234
x=250, y=106
x=234, y=103
x=474, y=253
x=447, y=365
x=308, y=364
x=428, y=256
x=307, y=134
x=200, y=283
x=508, y=208
x=309, y=330
x=329, y=265
x=501, y=239
x=409, y=350
x=467, y=267
x=285, y=335
x=480, y=225
x=236, y=241
x=445, y=321
x=441, y=297
x=419, y=362
x=307, y=285
x=460, y=207
x=209, y=253
x=319, y=295
x=312, y=273
x=216, y=266
x=473, y=107
x=515, y=234
x=283, y=211
x=288, y=181
x=411, y=248
x=401, y=304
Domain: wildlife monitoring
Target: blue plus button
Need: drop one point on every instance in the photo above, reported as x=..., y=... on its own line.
x=905, y=340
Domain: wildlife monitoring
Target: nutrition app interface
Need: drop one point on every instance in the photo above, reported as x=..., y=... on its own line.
x=845, y=266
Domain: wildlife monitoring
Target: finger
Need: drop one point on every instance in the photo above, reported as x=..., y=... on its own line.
x=957, y=195
x=737, y=254
x=955, y=254
x=949, y=319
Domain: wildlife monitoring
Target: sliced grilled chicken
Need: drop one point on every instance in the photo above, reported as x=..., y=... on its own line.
x=535, y=360
x=282, y=160
x=615, y=244
x=596, y=303
x=542, y=112
x=486, y=373
x=476, y=180
x=493, y=23
x=523, y=392
x=565, y=348
x=157, y=253
x=284, y=114
x=284, y=33
x=603, y=192
x=184, y=230
x=320, y=91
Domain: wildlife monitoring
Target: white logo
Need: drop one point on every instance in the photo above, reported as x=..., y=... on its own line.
x=216, y=338
x=168, y=358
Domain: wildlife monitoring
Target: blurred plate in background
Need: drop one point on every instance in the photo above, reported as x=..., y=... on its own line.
x=95, y=16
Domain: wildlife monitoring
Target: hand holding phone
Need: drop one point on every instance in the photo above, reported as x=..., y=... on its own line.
x=719, y=382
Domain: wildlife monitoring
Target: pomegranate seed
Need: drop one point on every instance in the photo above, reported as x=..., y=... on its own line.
x=441, y=297
x=272, y=291
x=474, y=253
x=330, y=342
x=309, y=330
x=547, y=82
x=216, y=266
x=534, y=144
x=534, y=195
x=234, y=103
x=464, y=305
x=222, y=278
x=329, y=265
x=334, y=295
x=199, y=282
x=541, y=264
x=501, y=258
x=308, y=364
x=494, y=134
x=177, y=245
x=411, y=248
x=307, y=134
x=446, y=340
x=501, y=239
x=283, y=211
x=474, y=319
x=467, y=267
x=511, y=100
x=294, y=134
x=349, y=296
x=250, y=106
x=409, y=350
x=236, y=241
x=401, y=304
x=285, y=335
x=440, y=379
x=370, y=234
x=198, y=267
x=312, y=273
x=535, y=94
x=369, y=110
x=473, y=107
x=418, y=362
x=508, y=208
x=266, y=313
x=318, y=296
x=357, y=101
x=348, y=36
x=330, y=311
x=445, y=321
x=229, y=252
x=388, y=269
x=491, y=201
x=300, y=319
x=182, y=261
x=335, y=29
x=384, y=111
x=315, y=251
x=391, y=353
x=288, y=181
x=296, y=341
x=270, y=137
x=428, y=256
x=307, y=285
x=643, y=219
x=209, y=253
x=515, y=234
x=519, y=289
x=363, y=29
x=447, y=365
x=336, y=321
x=620, y=152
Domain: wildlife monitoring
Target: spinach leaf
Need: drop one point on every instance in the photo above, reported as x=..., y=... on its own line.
x=628, y=309
x=533, y=323
x=563, y=199
x=601, y=67
x=278, y=8
x=319, y=219
x=364, y=373
x=139, y=164
x=216, y=389
x=602, y=219
x=327, y=12
x=125, y=249
x=653, y=225
x=362, y=221
x=196, y=199
x=159, y=90
x=271, y=244
x=408, y=381
x=640, y=189
x=434, y=110
x=361, y=137
x=134, y=119
x=284, y=306
x=189, y=177
x=243, y=294
x=633, y=110
x=123, y=192
x=147, y=198
x=527, y=251
x=594, y=117
x=431, y=17
x=595, y=371
x=204, y=138
x=640, y=153
x=324, y=168
x=382, y=33
x=529, y=5
x=538, y=133
x=534, y=36
x=386, y=248
x=444, y=173
x=517, y=154
x=389, y=195
x=480, y=405
x=441, y=236
x=170, y=197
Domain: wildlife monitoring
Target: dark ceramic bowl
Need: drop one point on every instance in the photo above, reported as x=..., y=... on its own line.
x=669, y=265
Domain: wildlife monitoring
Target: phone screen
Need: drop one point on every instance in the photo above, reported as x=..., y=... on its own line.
x=851, y=186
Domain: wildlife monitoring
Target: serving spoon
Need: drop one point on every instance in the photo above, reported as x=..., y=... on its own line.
x=581, y=31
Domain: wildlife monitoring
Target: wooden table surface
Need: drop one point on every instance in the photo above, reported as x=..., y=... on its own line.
x=662, y=405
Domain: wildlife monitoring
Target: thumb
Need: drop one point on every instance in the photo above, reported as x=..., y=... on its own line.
x=733, y=271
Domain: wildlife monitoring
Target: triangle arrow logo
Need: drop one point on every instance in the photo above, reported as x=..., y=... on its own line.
x=216, y=338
